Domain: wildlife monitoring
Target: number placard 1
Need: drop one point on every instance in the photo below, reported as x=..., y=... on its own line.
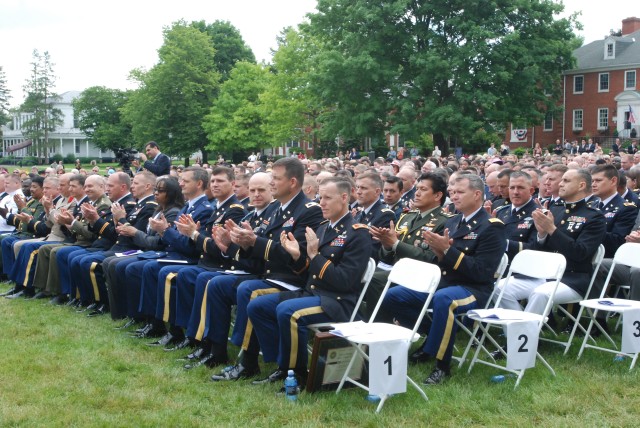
x=631, y=331
x=522, y=345
x=388, y=367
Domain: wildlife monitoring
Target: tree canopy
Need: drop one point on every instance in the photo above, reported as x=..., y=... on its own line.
x=4, y=99
x=443, y=67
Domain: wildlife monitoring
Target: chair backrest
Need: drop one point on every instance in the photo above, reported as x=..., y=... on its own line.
x=504, y=262
x=595, y=265
x=366, y=279
x=538, y=264
x=415, y=275
x=626, y=254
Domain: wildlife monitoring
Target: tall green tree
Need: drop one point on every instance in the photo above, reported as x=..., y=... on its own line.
x=236, y=117
x=174, y=96
x=291, y=108
x=99, y=117
x=5, y=95
x=39, y=104
x=229, y=45
x=444, y=67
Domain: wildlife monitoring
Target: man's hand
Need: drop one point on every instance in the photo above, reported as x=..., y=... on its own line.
x=544, y=222
x=387, y=237
x=186, y=226
x=633, y=237
x=24, y=217
x=143, y=157
x=222, y=238
x=242, y=235
x=89, y=212
x=312, y=243
x=118, y=212
x=65, y=217
x=438, y=244
x=47, y=203
x=126, y=230
x=290, y=244
x=3, y=212
x=159, y=224
x=487, y=207
x=20, y=201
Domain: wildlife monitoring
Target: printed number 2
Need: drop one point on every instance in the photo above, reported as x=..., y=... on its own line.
x=636, y=324
x=388, y=361
x=524, y=339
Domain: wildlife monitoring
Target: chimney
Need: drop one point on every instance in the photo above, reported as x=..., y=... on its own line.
x=630, y=25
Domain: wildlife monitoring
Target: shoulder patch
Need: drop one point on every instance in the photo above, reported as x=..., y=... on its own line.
x=360, y=226
x=312, y=204
x=495, y=220
x=237, y=206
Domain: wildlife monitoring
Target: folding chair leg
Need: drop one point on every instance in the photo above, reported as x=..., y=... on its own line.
x=347, y=371
x=544, y=362
x=420, y=390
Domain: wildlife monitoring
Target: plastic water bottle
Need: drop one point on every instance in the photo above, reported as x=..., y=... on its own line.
x=291, y=387
x=501, y=378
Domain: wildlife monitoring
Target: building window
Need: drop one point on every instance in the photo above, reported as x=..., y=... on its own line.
x=548, y=122
x=630, y=80
x=604, y=82
x=578, y=84
x=291, y=144
x=603, y=118
x=577, y=120
x=77, y=147
x=610, y=51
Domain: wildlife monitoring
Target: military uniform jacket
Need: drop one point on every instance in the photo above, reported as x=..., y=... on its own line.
x=300, y=214
x=397, y=209
x=76, y=212
x=97, y=237
x=210, y=254
x=580, y=230
x=39, y=226
x=137, y=217
x=35, y=209
x=335, y=273
x=259, y=223
x=498, y=203
x=519, y=228
x=620, y=216
x=150, y=239
x=410, y=229
x=408, y=197
x=379, y=216
x=632, y=196
x=104, y=227
x=182, y=247
x=80, y=228
x=474, y=256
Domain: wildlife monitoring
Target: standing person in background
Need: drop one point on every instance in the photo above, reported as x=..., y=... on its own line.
x=158, y=163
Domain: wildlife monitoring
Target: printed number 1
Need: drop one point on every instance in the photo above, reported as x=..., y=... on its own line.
x=524, y=339
x=388, y=361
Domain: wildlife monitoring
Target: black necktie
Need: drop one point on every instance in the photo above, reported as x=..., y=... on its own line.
x=601, y=205
x=463, y=223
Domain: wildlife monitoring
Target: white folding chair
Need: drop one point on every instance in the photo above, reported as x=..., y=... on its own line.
x=460, y=317
x=595, y=264
x=534, y=264
x=626, y=255
x=415, y=275
x=366, y=279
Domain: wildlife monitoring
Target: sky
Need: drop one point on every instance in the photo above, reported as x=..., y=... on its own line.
x=98, y=43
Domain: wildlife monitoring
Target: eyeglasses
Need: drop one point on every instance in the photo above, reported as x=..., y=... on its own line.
x=160, y=190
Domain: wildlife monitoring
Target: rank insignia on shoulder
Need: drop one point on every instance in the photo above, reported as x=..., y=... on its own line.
x=495, y=220
x=311, y=204
x=151, y=202
x=384, y=210
x=237, y=206
x=324, y=221
x=629, y=204
x=360, y=226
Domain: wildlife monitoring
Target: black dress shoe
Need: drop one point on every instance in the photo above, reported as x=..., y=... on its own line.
x=185, y=343
x=436, y=377
x=142, y=329
x=15, y=295
x=277, y=376
x=73, y=302
x=419, y=357
x=92, y=307
x=595, y=331
x=60, y=299
x=150, y=332
x=236, y=372
x=41, y=295
x=163, y=341
x=29, y=293
x=127, y=324
x=10, y=292
x=195, y=355
x=498, y=354
x=101, y=310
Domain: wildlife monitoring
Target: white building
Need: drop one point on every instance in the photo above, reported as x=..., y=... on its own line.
x=67, y=138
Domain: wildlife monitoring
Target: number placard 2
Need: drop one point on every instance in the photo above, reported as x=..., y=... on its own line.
x=522, y=345
x=631, y=331
x=388, y=367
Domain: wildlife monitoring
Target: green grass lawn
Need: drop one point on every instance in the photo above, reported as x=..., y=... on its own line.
x=60, y=368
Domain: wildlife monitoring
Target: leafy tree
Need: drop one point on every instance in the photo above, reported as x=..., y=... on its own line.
x=4, y=100
x=236, y=117
x=99, y=117
x=176, y=94
x=442, y=67
x=229, y=45
x=291, y=109
x=43, y=117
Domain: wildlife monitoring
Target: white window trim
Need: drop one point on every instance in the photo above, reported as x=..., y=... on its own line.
x=573, y=119
x=600, y=110
x=606, y=50
x=608, y=82
x=635, y=80
x=544, y=125
x=574, y=84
